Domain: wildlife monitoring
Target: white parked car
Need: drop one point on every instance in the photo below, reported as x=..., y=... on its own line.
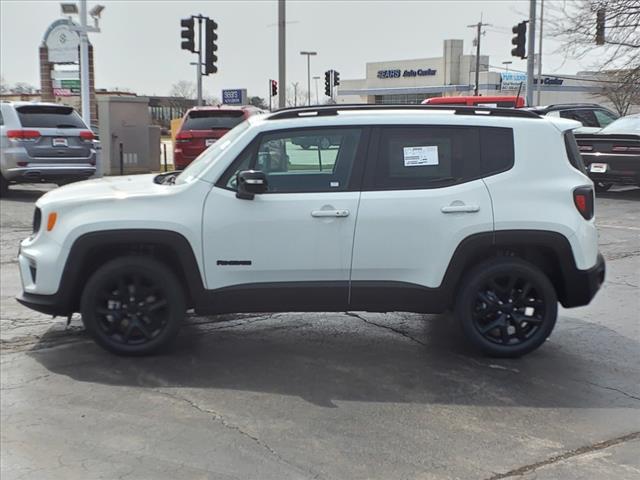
x=486, y=212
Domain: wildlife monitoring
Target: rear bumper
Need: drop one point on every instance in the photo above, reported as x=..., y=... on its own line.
x=582, y=285
x=624, y=178
x=47, y=172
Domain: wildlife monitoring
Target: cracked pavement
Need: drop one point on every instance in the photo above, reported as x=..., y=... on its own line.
x=326, y=396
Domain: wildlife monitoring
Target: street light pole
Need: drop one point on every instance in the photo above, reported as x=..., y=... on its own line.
x=308, y=54
x=84, y=65
x=316, y=80
x=531, y=50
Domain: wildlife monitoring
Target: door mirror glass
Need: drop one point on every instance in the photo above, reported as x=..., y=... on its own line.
x=250, y=183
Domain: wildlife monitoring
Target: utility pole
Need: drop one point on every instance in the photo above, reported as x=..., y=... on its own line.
x=478, y=26
x=539, y=84
x=282, y=80
x=531, y=50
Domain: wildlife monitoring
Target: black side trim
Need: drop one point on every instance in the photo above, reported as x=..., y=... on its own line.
x=277, y=297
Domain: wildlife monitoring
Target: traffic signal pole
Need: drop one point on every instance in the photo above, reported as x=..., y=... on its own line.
x=282, y=73
x=531, y=50
x=199, y=69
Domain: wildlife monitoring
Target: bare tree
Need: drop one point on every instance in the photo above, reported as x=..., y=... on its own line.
x=4, y=86
x=23, y=87
x=622, y=89
x=296, y=97
x=573, y=23
x=184, y=89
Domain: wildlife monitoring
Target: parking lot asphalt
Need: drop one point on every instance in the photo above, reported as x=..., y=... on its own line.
x=326, y=396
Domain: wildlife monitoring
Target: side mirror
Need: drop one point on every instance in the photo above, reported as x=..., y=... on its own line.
x=249, y=183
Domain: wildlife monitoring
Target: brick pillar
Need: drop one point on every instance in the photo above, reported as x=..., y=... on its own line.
x=93, y=105
x=46, y=85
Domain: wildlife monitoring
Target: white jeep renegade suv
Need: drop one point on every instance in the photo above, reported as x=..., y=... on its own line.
x=487, y=212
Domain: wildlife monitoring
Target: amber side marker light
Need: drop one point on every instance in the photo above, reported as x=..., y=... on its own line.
x=51, y=221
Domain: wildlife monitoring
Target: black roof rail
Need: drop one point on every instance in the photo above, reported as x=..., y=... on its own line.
x=332, y=110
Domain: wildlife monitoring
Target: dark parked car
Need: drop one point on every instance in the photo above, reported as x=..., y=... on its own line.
x=612, y=156
x=592, y=116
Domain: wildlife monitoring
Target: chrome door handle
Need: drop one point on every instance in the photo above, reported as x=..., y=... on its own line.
x=330, y=213
x=460, y=209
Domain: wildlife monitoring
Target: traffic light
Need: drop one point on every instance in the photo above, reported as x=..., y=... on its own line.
x=210, y=47
x=600, y=16
x=274, y=88
x=327, y=83
x=187, y=34
x=336, y=78
x=519, y=40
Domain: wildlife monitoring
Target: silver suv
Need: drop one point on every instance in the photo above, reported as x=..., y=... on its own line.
x=44, y=142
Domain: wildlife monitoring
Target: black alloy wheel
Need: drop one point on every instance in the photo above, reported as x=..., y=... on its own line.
x=133, y=305
x=507, y=307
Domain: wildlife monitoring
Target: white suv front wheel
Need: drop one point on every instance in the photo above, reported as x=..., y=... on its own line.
x=507, y=307
x=133, y=305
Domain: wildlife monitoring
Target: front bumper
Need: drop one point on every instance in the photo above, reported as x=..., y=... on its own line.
x=582, y=285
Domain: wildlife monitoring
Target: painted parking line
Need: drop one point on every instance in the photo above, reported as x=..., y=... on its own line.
x=620, y=227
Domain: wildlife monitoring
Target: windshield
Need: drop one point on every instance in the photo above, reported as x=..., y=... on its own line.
x=630, y=124
x=211, y=154
x=212, y=119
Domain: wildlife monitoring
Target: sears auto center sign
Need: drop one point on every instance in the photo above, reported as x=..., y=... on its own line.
x=398, y=73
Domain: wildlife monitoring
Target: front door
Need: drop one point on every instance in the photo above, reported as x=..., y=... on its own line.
x=289, y=248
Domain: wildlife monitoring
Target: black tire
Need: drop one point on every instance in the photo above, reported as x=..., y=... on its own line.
x=507, y=307
x=602, y=187
x=4, y=186
x=133, y=306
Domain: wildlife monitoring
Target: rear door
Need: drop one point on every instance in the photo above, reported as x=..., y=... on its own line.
x=421, y=197
x=60, y=129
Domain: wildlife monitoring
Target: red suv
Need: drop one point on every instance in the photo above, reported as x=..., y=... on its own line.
x=202, y=126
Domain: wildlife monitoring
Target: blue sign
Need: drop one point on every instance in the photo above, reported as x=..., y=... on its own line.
x=236, y=96
x=397, y=73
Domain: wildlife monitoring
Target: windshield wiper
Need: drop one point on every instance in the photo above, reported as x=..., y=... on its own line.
x=166, y=177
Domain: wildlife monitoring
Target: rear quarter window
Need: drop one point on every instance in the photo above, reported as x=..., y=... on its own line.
x=45, y=116
x=210, y=120
x=418, y=157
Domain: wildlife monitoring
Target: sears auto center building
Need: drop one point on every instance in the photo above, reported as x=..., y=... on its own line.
x=453, y=74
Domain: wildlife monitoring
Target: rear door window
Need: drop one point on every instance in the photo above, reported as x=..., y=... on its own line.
x=586, y=117
x=49, y=116
x=212, y=120
x=604, y=118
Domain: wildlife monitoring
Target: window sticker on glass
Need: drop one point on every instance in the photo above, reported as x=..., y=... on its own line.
x=420, y=156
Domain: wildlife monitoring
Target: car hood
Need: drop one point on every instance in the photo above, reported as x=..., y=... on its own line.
x=101, y=189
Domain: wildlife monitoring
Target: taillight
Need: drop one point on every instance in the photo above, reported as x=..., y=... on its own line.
x=583, y=199
x=23, y=135
x=87, y=135
x=585, y=148
x=624, y=148
x=183, y=137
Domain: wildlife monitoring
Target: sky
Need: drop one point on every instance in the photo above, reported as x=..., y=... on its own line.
x=139, y=45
